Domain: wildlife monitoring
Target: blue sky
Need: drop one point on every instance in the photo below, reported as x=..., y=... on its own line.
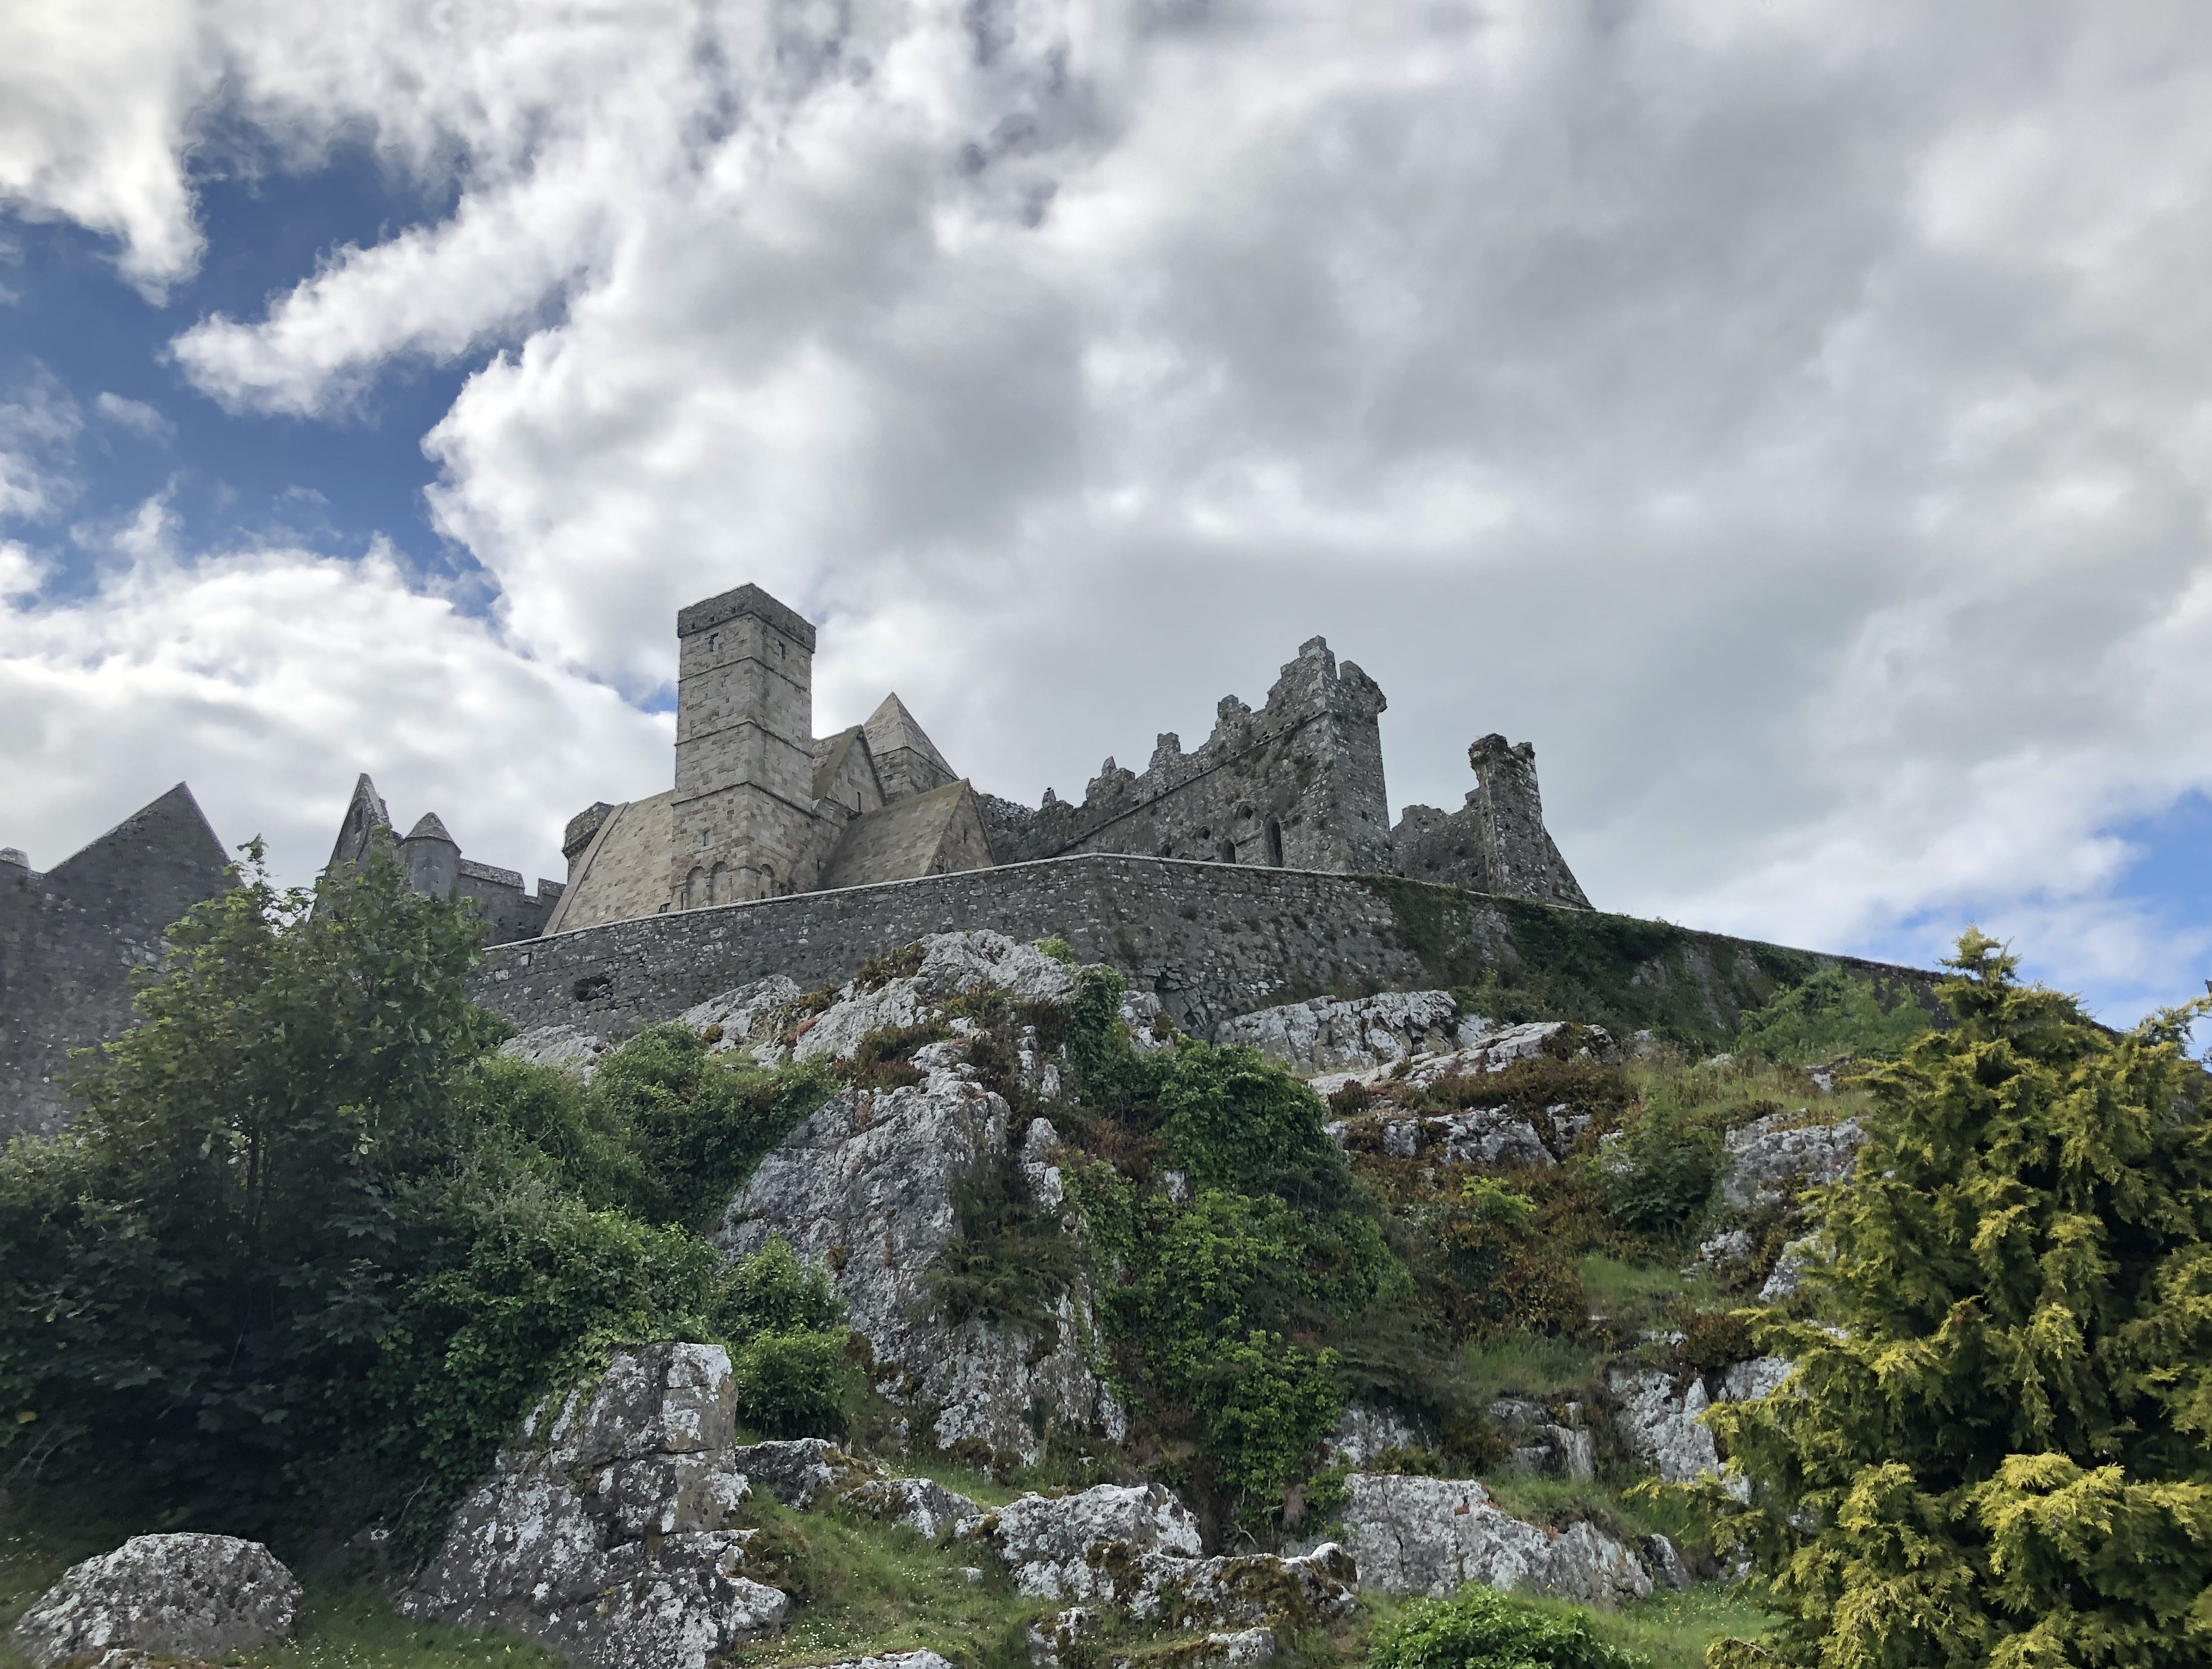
x=231, y=478
x=1794, y=422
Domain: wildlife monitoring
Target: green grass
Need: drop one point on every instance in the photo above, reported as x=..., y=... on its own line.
x=351, y=1627
x=863, y=1588
x=1673, y=1630
x=1526, y=1365
x=1638, y=1295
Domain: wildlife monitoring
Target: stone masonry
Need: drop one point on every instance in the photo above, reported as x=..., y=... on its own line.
x=70, y=938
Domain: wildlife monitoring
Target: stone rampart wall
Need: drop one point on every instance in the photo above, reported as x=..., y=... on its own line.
x=1212, y=940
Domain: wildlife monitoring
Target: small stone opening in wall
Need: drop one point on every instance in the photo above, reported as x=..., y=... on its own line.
x=1275, y=843
x=1228, y=852
x=592, y=986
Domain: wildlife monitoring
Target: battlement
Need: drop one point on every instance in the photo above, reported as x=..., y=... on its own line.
x=1298, y=784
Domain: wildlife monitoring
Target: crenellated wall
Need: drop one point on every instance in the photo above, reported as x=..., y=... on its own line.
x=1297, y=784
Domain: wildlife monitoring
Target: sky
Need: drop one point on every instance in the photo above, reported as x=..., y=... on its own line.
x=1794, y=419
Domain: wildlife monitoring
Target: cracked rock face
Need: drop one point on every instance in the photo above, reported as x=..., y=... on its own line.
x=1764, y=1155
x=864, y=1186
x=167, y=1596
x=608, y=1532
x=1060, y=1548
x=1328, y=1035
x=1484, y=1049
x=922, y=1504
x=1432, y=1535
x=1137, y=1546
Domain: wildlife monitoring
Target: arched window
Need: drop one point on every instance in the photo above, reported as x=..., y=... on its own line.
x=1228, y=852
x=718, y=890
x=695, y=888
x=1275, y=843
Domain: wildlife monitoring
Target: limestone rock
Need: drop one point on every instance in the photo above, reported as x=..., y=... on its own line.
x=1066, y=1547
x=794, y=1469
x=1747, y=1381
x=1721, y=1252
x=1764, y=1155
x=1363, y=1433
x=168, y=1596
x=1244, y=1648
x=920, y=1504
x=608, y=1532
x=569, y=1049
x=1542, y=1445
x=1659, y=1424
x=1487, y=1050
x=1660, y=1554
x=1245, y=1590
x=1329, y=1035
x=1789, y=1269
x=922, y=1659
x=1432, y=1535
x=736, y=1013
x=864, y=1186
x=1478, y=1136
x=952, y=964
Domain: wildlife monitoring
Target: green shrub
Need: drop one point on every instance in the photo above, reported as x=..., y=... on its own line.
x=795, y=1383
x=696, y=1125
x=774, y=1291
x=1830, y=1013
x=1479, y=1627
x=1007, y=1263
x=1660, y=1172
x=1998, y=1454
x=1233, y=1121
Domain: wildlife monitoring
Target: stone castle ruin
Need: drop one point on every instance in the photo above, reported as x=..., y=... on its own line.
x=763, y=810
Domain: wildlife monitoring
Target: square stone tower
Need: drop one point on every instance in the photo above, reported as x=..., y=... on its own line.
x=742, y=816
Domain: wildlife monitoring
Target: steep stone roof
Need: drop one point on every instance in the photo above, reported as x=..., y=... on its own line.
x=933, y=834
x=890, y=726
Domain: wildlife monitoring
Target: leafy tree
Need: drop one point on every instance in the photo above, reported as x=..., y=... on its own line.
x=2001, y=1456
x=1479, y=1627
x=198, y=1273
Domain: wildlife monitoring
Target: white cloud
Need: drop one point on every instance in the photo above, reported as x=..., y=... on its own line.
x=1790, y=419
x=268, y=679
x=136, y=416
x=95, y=96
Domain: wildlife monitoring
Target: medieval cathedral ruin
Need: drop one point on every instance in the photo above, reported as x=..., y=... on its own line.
x=762, y=809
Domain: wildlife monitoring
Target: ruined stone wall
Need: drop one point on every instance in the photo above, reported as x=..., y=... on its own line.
x=1211, y=940
x=69, y=939
x=1495, y=843
x=1297, y=785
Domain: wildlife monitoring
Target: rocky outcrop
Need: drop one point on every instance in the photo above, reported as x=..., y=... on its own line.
x=1747, y=1381
x=1543, y=1445
x=1137, y=1547
x=732, y=1020
x=1478, y=1136
x=1068, y=1547
x=1484, y=1048
x=1362, y=1433
x=922, y=1504
x=952, y=965
x=1433, y=1535
x=864, y=1186
x=1798, y=1259
x=1329, y=1035
x=610, y=1531
x=1658, y=1423
x=170, y=1596
x=1766, y=1157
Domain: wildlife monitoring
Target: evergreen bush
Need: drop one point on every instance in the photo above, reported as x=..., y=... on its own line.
x=1998, y=1452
